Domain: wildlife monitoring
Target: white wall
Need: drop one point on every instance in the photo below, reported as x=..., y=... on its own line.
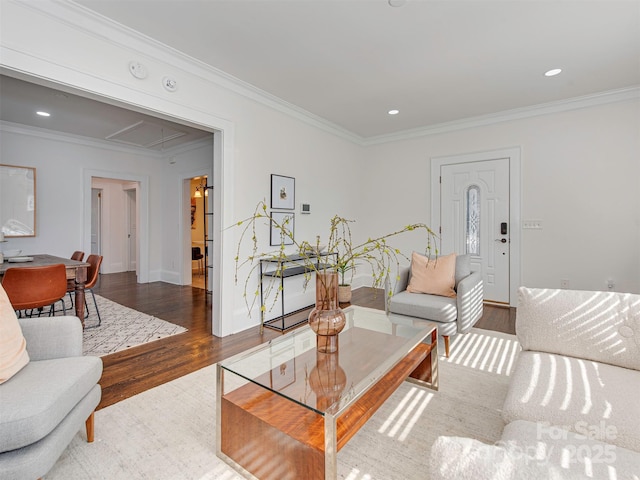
x=59, y=45
x=580, y=177
x=176, y=231
x=382, y=186
x=60, y=162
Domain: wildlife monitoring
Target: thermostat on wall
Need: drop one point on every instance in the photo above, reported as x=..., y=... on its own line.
x=305, y=208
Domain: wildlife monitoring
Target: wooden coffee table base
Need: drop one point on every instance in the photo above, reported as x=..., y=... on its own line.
x=274, y=438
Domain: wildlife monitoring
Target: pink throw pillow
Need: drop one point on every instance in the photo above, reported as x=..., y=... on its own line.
x=436, y=276
x=13, y=346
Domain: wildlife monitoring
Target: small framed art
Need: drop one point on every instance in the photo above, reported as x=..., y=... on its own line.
x=283, y=192
x=286, y=220
x=283, y=369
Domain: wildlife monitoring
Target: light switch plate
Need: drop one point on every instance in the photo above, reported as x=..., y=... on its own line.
x=532, y=224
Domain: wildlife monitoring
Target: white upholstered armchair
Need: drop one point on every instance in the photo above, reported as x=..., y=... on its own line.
x=453, y=314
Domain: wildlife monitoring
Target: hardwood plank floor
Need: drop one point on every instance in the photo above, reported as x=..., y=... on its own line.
x=140, y=368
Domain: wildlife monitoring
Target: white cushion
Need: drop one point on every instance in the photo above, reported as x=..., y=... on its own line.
x=575, y=393
x=571, y=454
x=599, y=326
x=458, y=458
x=530, y=451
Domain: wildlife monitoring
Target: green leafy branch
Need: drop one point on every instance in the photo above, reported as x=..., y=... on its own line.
x=341, y=255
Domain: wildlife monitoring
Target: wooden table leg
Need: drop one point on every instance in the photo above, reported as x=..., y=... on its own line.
x=81, y=279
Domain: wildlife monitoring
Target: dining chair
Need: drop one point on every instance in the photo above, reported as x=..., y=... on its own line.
x=71, y=287
x=33, y=288
x=196, y=255
x=94, y=262
x=77, y=255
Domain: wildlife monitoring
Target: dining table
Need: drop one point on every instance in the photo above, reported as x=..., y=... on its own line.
x=76, y=274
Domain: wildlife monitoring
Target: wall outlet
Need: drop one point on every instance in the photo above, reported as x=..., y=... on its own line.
x=564, y=283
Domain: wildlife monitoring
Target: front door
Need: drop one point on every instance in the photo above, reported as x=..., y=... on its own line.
x=474, y=217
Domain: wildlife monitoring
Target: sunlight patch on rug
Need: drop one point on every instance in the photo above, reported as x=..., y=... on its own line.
x=121, y=328
x=406, y=413
x=492, y=352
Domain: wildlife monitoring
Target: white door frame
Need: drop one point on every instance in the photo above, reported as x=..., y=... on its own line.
x=513, y=154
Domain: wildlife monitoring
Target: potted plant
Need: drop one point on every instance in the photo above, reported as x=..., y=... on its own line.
x=339, y=256
x=344, y=288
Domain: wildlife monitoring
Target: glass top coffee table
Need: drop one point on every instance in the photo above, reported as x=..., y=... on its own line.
x=284, y=410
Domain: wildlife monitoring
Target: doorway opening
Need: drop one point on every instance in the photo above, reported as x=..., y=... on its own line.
x=200, y=234
x=115, y=217
x=221, y=169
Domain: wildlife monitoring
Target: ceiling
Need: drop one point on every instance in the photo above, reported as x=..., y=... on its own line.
x=350, y=62
x=75, y=115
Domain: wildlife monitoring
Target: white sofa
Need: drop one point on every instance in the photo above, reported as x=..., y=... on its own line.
x=573, y=405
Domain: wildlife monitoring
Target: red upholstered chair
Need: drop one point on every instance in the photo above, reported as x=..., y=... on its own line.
x=77, y=255
x=33, y=288
x=71, y=287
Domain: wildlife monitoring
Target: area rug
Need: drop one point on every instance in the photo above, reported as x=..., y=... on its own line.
x=169, y=432
x=121, y=328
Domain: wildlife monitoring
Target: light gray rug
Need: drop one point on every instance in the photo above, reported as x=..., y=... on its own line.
x=121, y=328
x=169, y=432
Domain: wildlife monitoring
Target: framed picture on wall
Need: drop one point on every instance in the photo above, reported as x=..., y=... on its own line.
x=287, y=221
x=283, y=192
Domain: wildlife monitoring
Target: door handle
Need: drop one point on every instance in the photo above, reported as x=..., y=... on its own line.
x=501, y=240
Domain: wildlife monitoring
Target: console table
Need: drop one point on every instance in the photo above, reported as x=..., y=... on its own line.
x=285, y=267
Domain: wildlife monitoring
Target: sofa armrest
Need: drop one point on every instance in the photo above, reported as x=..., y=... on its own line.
x=400, y=284
x=52, y=337
x=469, y=300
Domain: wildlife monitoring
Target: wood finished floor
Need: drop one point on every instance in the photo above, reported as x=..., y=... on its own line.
x=137, y=369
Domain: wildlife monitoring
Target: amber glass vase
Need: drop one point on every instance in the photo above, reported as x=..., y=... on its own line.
x=327, y=379
x=327, y=319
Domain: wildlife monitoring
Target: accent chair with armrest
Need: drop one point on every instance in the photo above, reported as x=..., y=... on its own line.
x=453, y=314
x=48, y=396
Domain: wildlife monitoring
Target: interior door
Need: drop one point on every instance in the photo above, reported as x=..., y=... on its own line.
x=474, y=202
x=132, y=230
x=96, y=221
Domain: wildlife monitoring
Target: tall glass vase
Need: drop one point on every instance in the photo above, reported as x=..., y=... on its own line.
x=327, y=380
x=327, y=319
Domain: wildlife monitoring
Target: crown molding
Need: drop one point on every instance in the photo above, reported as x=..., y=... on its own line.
x=91, y=23
x=575, y=103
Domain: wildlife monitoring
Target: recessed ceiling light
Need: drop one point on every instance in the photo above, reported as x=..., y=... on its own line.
x=43, y=114
x=394, y=112
x=553, y=72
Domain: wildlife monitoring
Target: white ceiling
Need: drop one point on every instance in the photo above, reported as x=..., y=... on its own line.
x=75, y=115
x=351, y=61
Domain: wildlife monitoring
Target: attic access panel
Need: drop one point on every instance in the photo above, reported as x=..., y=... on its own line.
x=145, y=134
